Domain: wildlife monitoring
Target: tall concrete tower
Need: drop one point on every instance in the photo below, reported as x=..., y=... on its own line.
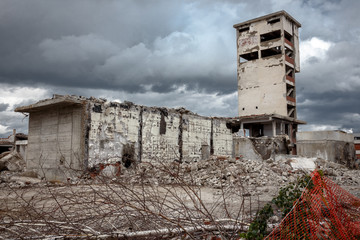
x=268, y=58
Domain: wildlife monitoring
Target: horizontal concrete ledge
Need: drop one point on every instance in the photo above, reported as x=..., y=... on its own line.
x=48, y=103
x=324, y=136
x=275, y=14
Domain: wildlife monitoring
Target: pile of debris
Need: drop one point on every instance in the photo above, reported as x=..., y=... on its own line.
x=219, y=172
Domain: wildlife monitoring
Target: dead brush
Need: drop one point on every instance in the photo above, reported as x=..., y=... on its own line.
x=116, y=207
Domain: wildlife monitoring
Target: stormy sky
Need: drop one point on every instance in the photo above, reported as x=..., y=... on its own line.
x=177, y=53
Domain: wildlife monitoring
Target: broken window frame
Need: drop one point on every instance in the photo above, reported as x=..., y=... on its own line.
x=269, y=52
x=290, y=90
x=269, y=36
x=289, y=52
x=289, y=71
x=291, y=109
x=248, y=57
x=288, y=36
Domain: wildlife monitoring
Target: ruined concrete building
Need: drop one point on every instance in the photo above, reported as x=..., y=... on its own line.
x=15, y=142
x=70, y=132
x=268, y=58
x=78, y=133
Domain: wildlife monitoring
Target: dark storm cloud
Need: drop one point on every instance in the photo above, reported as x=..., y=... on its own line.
x=125, y=45
x=332, y=108
x=150, y=51
x=3, y=106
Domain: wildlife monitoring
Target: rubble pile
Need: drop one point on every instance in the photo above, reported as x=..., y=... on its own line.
x=217, y=172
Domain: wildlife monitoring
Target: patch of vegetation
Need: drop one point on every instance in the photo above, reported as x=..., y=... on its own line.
x=284, y=201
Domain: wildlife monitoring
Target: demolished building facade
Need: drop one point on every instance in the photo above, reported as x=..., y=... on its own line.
x=71, y=134
x=268, y=58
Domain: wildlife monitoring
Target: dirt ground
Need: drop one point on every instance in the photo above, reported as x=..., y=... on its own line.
x=178, y=206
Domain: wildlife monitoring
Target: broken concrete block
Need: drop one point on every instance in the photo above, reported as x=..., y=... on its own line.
x=12, y=162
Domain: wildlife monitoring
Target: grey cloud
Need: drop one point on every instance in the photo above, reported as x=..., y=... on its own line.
x=3, y=106
x=135, y=49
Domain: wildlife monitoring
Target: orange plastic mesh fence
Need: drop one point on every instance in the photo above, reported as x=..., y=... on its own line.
x=324, y=211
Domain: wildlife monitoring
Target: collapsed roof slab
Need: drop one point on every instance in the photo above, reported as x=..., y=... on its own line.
x=50, y=103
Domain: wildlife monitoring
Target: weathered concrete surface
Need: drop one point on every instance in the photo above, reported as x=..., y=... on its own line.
x=114, y=129
x=244, y=148
x=196, y=136
x=335, y=146
x=222, y=138
x=94, y=134
x=160, y=134
x=268, y=57
x=56, y=134
x=261, y=148
x=12, y=162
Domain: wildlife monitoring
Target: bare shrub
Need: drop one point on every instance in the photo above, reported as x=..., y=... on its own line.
x=114, y=208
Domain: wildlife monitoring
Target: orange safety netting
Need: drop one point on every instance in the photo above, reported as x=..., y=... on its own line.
x=324, y=211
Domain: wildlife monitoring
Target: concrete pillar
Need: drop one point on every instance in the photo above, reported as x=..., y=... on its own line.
x=274, y=128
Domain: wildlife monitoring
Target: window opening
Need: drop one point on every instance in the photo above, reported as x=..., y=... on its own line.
x=244, y=29
x=289, y=52
x=271, y=51
x=289, y=71
x=291, y=111
x=272, y=21
x=288, y=36
x=270, y=36
x=290, y=91
x=249, y=56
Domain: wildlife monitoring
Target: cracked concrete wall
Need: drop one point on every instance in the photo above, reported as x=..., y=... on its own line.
x=156, y=134
x=160, y=134
x=196, y=136
x=89, y=133
x=222, y=138
x=260, y=148
x=55, y=142
x=112, y=127
x=335, y=146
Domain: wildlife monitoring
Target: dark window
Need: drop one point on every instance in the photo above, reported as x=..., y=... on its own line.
x=249, y=56
x=291, y=111
x=271, y=51
x=244, y=29
x=270, y=36
x=289, y=71
x=290, y=91
x=288, y=36
x=162, y=125
x=289, y=52
x=272, y=21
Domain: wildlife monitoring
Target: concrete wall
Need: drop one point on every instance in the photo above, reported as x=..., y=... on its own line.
x=260, y=148
x=160, y=134
x=55, y=141
x=196, y=136
x=114, y=129
x=92, y=133
x=335, y=146
x=152, y=134
x=222, y=138
x=21, y=146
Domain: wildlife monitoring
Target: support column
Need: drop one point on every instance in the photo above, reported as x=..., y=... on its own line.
x=274, y=128
x=282, y=128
